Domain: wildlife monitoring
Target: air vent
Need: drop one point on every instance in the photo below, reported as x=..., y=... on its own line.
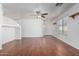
x=59, y=4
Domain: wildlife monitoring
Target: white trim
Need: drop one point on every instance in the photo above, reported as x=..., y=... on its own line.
x=8, y=25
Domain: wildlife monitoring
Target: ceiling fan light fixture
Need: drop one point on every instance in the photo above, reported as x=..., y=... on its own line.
x=38, y=12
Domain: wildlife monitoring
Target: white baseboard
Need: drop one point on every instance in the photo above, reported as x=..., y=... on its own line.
x=32, y=36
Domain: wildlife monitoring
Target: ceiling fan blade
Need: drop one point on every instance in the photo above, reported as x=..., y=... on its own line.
x=44, y=14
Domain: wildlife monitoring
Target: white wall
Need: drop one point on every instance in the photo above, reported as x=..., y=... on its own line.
x=48, y=28
x=8, y=21
x=73, y=33
x=1, y=19
x=10, y=30
x=72, y=37
x=31, y=27
x=8, y=34
x=18, y=32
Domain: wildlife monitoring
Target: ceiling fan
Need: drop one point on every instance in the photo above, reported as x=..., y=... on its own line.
x=40, y=14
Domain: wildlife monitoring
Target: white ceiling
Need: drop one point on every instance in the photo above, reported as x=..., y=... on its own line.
x=26, y=10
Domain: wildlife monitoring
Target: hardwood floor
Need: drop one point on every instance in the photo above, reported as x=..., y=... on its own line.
x=46, y=46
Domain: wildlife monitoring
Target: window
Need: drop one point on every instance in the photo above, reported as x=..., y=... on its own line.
x=62, y=26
